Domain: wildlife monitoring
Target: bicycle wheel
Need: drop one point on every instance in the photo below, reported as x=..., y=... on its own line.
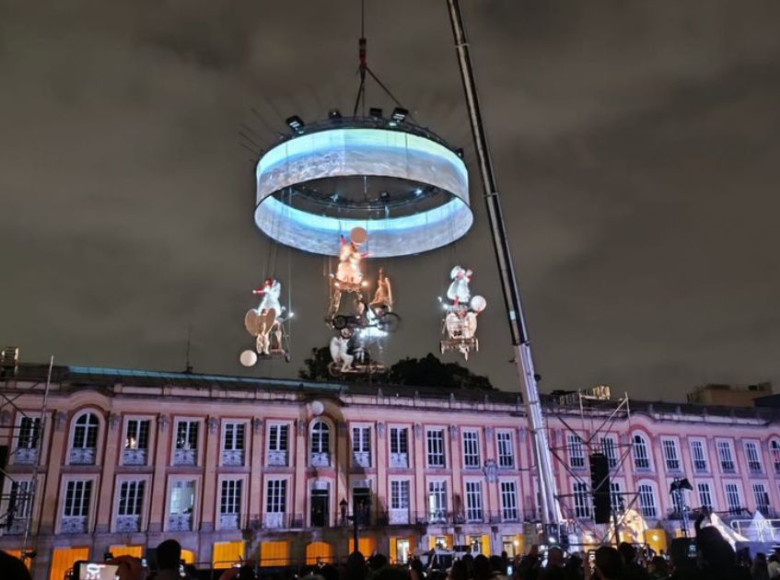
x=389, y=322
x=339, y=322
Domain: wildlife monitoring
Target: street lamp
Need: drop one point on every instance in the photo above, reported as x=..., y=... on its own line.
x=358, y=511
x=676, y=490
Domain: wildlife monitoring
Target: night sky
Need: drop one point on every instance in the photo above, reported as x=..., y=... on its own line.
x=636, y=148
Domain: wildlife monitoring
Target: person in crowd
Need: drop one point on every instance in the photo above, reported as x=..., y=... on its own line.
x=13, y=568
x=168, y=561
x=760, y=568
x=481, y=568
x=554, y=568
x=356, y=567
x=609, y=564
x=528, y=569
x=659, y=568
x=632, y=570
x=573, y=570
x=773, y=567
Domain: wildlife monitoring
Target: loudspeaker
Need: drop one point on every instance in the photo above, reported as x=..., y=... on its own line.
x=599, y=482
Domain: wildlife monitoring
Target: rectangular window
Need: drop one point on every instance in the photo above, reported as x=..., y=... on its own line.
x=641, y=456
x=29, y=431
x=671, y=456
x=234, y=437
x=509, y=512
x=437, y=500
x=399, y=440
x=733, y=499
x=77, y=496
x=473, y=501
x=278, y=437
x=137, y=434
x=506, y=452
x=647, y=501
x=435, y=440
x=276, y=498
x=19, y=507
x=182, y=497
x=471, y=449
x=230, y=502
x=726, y=457
x=576, y=452
x=187, y=435
x=581, y=500
x=278, y=443
x=616, y=496
x=705, y=495
x=762, y=498
x=698, y=456
x=753, y=457
x=361, y=446
x=399, y=494
x=131, y=498
x=609, y=448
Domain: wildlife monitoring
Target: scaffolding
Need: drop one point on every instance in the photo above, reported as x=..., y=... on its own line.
x=21, y=455
x=589, y=419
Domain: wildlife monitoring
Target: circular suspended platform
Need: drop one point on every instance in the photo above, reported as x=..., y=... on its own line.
x=401, y=183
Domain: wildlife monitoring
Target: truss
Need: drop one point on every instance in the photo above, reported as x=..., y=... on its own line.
x=596, y=413
x=20, y=471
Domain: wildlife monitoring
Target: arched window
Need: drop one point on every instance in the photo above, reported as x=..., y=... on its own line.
x=774, y=449
x=320, y=438
x=83, y=449
x=641, y=455
x=647, y=504
x=320, y=444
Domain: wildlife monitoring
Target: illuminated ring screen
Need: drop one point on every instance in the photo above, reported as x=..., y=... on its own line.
x=349, y=152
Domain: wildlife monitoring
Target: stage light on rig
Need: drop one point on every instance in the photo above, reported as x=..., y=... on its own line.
x=295, y=123
x=375, y=112
x=334, y=114
x=399, y=114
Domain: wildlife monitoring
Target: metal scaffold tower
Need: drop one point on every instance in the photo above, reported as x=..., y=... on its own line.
x=20, y=459
x=593, y=423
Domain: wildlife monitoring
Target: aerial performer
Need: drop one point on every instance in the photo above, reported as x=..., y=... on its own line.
x=383, y=295
x=460, y=320
x=265, y=322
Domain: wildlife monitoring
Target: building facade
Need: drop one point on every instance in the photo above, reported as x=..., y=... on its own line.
x=283, y=471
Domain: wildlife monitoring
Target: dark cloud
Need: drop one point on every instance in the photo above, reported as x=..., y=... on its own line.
x=635, y=145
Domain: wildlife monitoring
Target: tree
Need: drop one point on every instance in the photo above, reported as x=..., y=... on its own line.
x=428, y=371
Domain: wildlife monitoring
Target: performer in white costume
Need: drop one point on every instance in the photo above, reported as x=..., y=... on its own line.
x=459, y=291
x=460, y=322
x=339, y=350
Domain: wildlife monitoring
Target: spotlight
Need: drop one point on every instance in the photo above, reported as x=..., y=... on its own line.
x=334, y=114
x=399, y=114
x=418, y=191
x=374, y=112
x=295, y=123
x=459, y=152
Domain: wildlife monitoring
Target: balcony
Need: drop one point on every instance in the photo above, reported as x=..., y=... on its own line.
x=320, y=460
x=699, y=466
x=233, y=457
x=185, y=456
x=755, y=468
x=26, y=456
x=229, y=521
x=134, y=457
x=277, y=459
x=728, y=467
x=83, y=455
x=128, y=524
x=275, y=521
x=398, y=517
x=399, y=460
x=180, y=523
x=74, y=525
x=361, y=459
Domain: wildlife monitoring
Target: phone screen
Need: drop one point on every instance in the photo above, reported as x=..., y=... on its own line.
x=96, y=571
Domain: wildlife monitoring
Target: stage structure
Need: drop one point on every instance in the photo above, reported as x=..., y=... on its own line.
x=19, y=486
x=401, y=183
x=593, y=455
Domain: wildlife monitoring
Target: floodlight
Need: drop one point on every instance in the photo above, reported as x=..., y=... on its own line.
x=375, y=112
x=334, y=114
x=295, y=123
x=399, y=114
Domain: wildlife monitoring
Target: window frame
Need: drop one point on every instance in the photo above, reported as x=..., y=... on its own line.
x=472, y=454
x=510, y=443
x=650, y=491
x=755, y=465
x=474, y=513
x=644, y=441
x=504, y=494
x=702, y=444
x=727, y=444
x=441, y=434
x=94, y=480
x=673, y=460
x=576, y=442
